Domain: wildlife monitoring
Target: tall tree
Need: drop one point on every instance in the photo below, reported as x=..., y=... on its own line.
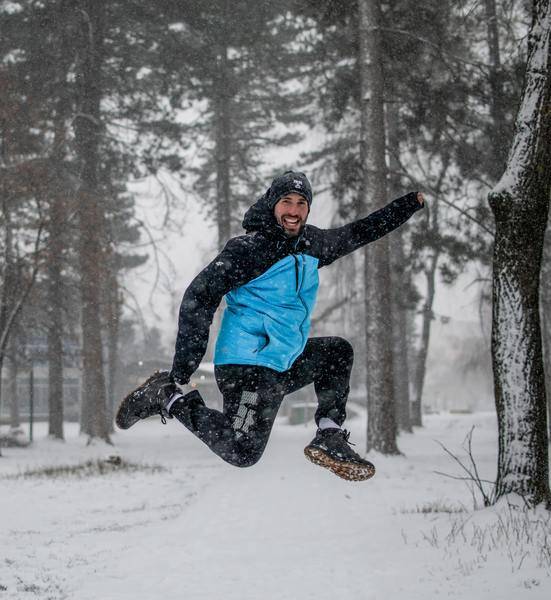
x=13, y=364
x=55, y=313
x=434, y=241
x=498, y=102
x=545, y=313
x=381, y=429
x=59, y=191
x=87, y=125
x=401, y=284
x=243, y=85
x=520, y=204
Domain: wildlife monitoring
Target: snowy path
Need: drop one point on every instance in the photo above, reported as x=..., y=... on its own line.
x=283, y=529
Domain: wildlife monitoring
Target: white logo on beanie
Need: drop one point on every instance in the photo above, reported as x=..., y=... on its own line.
x=297, y=183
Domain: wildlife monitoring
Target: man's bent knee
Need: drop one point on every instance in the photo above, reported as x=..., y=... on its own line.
x=243, y=458
x=249, y=461
x=343, y=349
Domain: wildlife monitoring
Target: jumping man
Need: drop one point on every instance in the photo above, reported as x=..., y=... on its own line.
x=269, y=277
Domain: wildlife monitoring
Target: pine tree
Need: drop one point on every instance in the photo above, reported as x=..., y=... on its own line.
x=238, y=63
x=382, y=428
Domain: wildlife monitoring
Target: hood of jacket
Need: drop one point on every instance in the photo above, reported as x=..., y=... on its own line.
x=260, y=217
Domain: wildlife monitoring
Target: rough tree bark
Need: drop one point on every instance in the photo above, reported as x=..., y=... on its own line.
x=87, y=124
x=520, y=204
x=546, y=339
x=381, y=427
x=500, y=132
x=545, y=314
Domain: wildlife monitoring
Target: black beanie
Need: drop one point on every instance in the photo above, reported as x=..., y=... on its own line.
x=290, y=181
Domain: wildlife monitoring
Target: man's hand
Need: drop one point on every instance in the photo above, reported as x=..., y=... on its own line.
x=420, y=198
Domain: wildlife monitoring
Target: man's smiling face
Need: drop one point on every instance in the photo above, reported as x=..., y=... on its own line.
x=291, y=212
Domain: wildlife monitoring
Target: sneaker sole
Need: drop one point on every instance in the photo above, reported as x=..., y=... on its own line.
x=122, y=419
x=345, y=470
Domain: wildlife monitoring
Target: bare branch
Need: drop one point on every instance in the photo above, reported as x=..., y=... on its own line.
x=432, y=190
x=472, y=471
x=334, y=307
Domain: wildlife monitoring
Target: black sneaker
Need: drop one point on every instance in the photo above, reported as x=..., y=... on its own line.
x=330, y=449
x=147, y=400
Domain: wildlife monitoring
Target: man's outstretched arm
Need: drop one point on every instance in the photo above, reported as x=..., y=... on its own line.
x=343, y=240
x=200, y=301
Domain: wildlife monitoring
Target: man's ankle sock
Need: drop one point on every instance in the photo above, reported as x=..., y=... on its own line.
x=176, y=396
x=326, y=423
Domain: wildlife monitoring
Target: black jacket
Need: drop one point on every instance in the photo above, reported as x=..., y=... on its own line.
x=246, y=257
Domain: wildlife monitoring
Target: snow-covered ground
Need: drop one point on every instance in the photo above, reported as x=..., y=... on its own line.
x=283, y=529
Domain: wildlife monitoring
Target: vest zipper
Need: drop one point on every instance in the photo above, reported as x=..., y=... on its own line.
x=300, y=280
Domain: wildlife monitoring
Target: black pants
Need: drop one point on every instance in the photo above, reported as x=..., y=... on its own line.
x=252, y=396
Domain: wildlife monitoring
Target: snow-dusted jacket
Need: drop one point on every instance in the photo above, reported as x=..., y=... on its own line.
x=267, y=320
x=270, y=283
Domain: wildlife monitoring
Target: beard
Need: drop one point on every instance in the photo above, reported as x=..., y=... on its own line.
x=291, y=229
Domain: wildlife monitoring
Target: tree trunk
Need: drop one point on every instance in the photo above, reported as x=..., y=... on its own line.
x=381, y=428
x=8, y=287
x=87, y=129
x=55, y=347
x=546, y=339
x=1, y=369
x=55, y=314
x=12, y=372
x=400, y=338
x=520, y=203
x=400, y=285
x=58, y=192
x=427, y=318
x=223, y=148
x=8, y=276
x=497, y=99
x=113, y=315
x=223, y=132
x=545, y=314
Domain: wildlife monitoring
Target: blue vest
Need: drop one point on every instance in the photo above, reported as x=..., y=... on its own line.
x=267, y=321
